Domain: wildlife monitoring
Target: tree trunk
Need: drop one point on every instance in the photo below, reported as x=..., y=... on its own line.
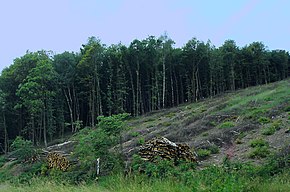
x=69, y=104
x=44, y=129
x=5, y=134
x=163, y=84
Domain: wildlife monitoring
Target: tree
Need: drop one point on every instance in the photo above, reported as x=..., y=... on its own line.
x=3, y=104
x=88, y=70
x=65, y=66
x=229, y=52
x=36, y=94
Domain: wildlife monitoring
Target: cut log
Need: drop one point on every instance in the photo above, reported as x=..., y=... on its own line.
x=166, y=149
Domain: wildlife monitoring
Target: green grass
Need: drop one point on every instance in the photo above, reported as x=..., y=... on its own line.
x=135, y=134
x=227, y=124
x=259, y=152
x=210, y=179
x=264, y=120
x=256, y=102
x=203, y=153
x=268, y=131
x=258, y=143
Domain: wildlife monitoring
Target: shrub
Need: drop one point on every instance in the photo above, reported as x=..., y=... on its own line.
x=287, y=109
x=141, y=141
x=276, y=124
x=135, y=134
x=264, y=120
x=2, y=160
x=227, y=124
x=268, y=131
x=213, y=123
x=23, y=149
x=96, y=143
x=259, y=152
x=258, y=143
x=214, y=149
x=203, y=153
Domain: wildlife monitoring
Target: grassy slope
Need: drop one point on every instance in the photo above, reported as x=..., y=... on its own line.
x=230, y=121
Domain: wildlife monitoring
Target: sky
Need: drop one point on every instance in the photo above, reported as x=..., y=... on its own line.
x=64, y=25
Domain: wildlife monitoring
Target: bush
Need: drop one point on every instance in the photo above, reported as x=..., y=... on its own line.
x=141, y=141
x=96, y=143
x=3, y=160
x=259, y=143
x=259, y=152
x=264, y=120
x=203, y=153
x=268, y=131
x=214, y=149
x=23, y=149
x=276, y=124
x=162, y=168
x=135, y=134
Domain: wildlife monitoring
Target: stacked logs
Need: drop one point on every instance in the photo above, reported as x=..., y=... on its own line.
x=57, y=161
x=162, y=147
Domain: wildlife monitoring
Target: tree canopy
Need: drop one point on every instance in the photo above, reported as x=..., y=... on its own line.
x=44, y=95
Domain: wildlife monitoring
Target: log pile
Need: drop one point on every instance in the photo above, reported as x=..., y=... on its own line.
x=57, y=161
x=59, y=156
x=162, y=147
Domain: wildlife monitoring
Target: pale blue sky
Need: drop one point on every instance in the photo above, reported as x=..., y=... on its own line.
x=63, y=25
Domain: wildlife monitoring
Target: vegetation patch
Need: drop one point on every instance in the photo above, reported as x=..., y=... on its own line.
x=268, y=131
x=264, y=120
x=166, y=124
x=203, y=153
x=259, y=143
x=259, y=152
x=214, y=149
x=141, y=141
x=170, y=115
x=227, y=124
x=135, y=134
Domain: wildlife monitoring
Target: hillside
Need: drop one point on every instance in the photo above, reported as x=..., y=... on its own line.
x=250, y=127
x=229, y=121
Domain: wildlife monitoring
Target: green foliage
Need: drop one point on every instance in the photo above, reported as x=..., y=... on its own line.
x=113, y=125
x=162, y=168
x=170, y=115
x=259, y=152
x=135, y=134
x=227, y=124
x=214, y=149
x=258, y=143
x=268, y=131
x=23, y=149
x=287, y=108
x=260, y=148
x=141, y=141
x=3, y=160
x=213, y=123
x=95, y=143
x=272, y=128
x=264, y=120
x=203, y=153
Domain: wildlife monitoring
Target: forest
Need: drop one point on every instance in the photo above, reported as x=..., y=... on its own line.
x=45, y=95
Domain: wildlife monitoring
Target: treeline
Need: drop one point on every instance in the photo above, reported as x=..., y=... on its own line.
x=44, y=95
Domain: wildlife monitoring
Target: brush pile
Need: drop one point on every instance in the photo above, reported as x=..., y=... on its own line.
x=162, y=147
